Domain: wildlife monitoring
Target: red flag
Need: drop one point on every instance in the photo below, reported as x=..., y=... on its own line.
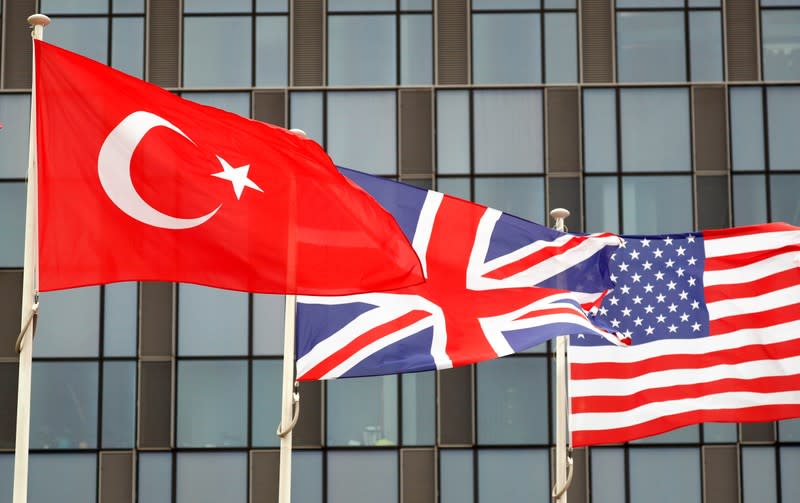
x=138, y=184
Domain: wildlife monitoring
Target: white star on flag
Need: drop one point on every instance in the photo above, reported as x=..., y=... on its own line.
x=237, y=177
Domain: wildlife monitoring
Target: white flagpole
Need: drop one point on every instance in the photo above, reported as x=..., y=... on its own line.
x=30, y=286
x=563, y=459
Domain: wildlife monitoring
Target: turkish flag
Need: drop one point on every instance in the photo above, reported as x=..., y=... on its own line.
x=138, y=184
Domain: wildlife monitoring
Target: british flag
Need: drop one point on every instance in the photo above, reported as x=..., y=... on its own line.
x=496, y=285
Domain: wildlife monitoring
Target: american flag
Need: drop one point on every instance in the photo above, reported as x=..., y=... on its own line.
x=478, y=301
x=714, y=319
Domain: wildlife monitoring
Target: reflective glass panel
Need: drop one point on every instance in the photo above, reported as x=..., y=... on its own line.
x=749, y=199
x=60, y=332
x=608, y=475
x=272, y=50
x=416, y=49
x=790, y=467
x=191, y=6
x=127, y=45
x=561, y=47
x=602, y=203
x=74, y=7
x=15, y=109
x=119, y=404
x=452, y=132
x=664, y=475
x=268, y=314
x=362, y=50
x=779, y=3
x=12, y=224
x=514, y=475
x=306, y=476
x=415, y=4
x=266, y=395
x=458, y=187
x=419, y=408
x=648, y=3
x=238, y=103
x=687, y=434
x=705, y=34
x=655, y=130
x=455, y=467
x=305, y=113
x=758, y=475
x=81, y=35
x=656, y=204
x=600, y=130
x=650, y=47
x=747, y=128
x=789, y=430
x=360, y=5
x=120, y=311
x=362, y=476
x=212, y=404
x=522, y=197
x=211, y=477
x=272, y=5
x=510, y=397
x=783, y=112
x=64, y=405
x=559, y=4
x=213, y=51
x=720, y=433
x=505, y=4
x=785, y=203
x=362, y=411
x=362, y=131
x=6, y=476
x=66, y=478
x=704, y=3
x=128, y=6
x=506, y=49
x=508, y=131
x=211, y=321
x=780, y=33
x=155, y=477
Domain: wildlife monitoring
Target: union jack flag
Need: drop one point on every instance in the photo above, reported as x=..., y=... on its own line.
x=496, y=284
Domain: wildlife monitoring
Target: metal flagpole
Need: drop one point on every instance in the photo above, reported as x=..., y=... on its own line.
x=563, y=461
x=30, y=304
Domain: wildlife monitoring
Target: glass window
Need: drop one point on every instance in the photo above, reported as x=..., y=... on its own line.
x=656, y=204
x=415, y=4
x=780, y=33
x=74, y=7
x=213, y=51
x=785, y=203
x=790, y=467
x=520, y=196
x=362, y=476
x=505, y=4
x=687, y=434
x=211, y=321
x=608, y=475
x=758, y=475
x=419, y=408
x=127, y=45
x=655, y=130
x=508, y=131
x=559, y=4
x=128, y=6
x=602, y=203
x=59, y=332
x=720, y=433
x=456, y=475
x=191, y=6
x=362, y=131
x=305, y=113
x=306, y=476
x=622, y=4
x=15, y=109
x=749, y=199
x=514, y=475
x=789, y=430
x=12, y=224
x=506, y=48
x=81, y=35
x=458, y=187
x=452, y=132
x=272, y=5
x=6, y=476
x=64, y=405
x=66, y=478
x=120, y=310
x=664, y=475
x=510, y=397
x=362, y=411
x=238, y=103
x=212, y=404
x=747, y=128
x=704, y=3
x=268, y=315
x=600, y=130
x=416, y=49
x=783, y=112
x=362, y=50
x=272, y=51
x=218, y=476
x=155, y=477
x=705, y=34
x=266, y=408
x=119, y=404
x=650, y=47
x=360, y=5
x=561, y=47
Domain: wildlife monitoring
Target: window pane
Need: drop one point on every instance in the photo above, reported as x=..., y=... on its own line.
x=362, y=131
x=358, y=476
x=211, y=321
x=458, y=187
x=212, y=404
x=128, y=6
x=208, y=45
x=215, y=6
x=360, y=5
x=272, y=59
x=452, y=132
x=705, y=34
x=306, y=113
x=120, y=309
x=650, y=47
x=12, y=224
x=306, y=476
x=747, y=128
x=74, y=7
x=266, y=410
x=455, y=467
x=789, y=430
x=785, y=203
x=783, y=111
x=655, y=130
x=602, y=204
x=419, y=408
x=6, y=476
x=664, y=475
x=522, y=197
x=15, y=109
x=119, y=404
x=758, y=475
x=608, y=475
x=600, y=130
x=790, y=467
x=155, y=477
x=362, y=50
x=416, y=49
x=505, y=4
x=781, y=39
x=59, y=332
x=559, y=4
x=268, y=314
x=81, y=35
x=272, y=5
x=514, y=475
x=64, y=405
x=238, y=103
x=656, y=204
x=649, y=3
x=561, y=47
x=511, y=399
x=506, y=49
x=749, y=199
x=508, y=135
x=127, y=45
x=211, y=477
x=362, y=411
x=66, y=478
x=720, y=433
x=687, y=434
x=415, y=4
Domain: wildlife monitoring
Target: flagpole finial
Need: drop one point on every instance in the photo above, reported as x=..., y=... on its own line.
x=559, y=213
x=38, y=20
x=299, y=132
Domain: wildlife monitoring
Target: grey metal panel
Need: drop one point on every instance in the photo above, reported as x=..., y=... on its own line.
x=264, y=471
x=418, y=476
x=452, y=46
x=308, y=431
x=156, y=307
x=713, y=202
x=416, y=135
x=155, y=405
x=270, y=107
x=597, y=42
x=758, y=433
x=308, y=18
x=116, y=477
x=17, y=57
x=11, y=293
x=456, y=423
x=741, y=25
x=163, y=47
x=720, y=474
x=9, y=373
x=710, y=130
x=563, y=130
x=566, y=193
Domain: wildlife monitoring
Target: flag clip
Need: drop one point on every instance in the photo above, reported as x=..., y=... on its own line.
x=295, y=414
x=558, y=492
x=31, y=318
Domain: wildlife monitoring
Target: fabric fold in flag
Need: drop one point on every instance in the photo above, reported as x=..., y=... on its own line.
x=496, y=285
x=714, y=320
x=137, y=184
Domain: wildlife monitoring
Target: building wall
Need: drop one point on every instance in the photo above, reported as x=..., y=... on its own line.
x=644, y=116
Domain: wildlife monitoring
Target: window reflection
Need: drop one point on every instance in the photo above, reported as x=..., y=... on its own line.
x=306, y=476
x=15, y=111
x=781, y=44
x=120, y=310
x=747, y=128
x=656, y=204
x=452, y=132
x=783, y=111
x=458, y=187
x=362, y=476
x=119, y=404
x=362, y=50
x=506, y=48
x=64, y=405
x=664, y=475
x=80, y=35
x=306, y=113
x=419, y=408
x=74, y=7
x=705, y=34
x=155, y=477
x=749, y=199
x=12, y=224
x=66, y=478
x=654, y=125
x=758, y=475
x=362, y=411
x=720, y=433
x=266, y=400
x=650, y=47
x=602, y=204
x=214, y=49
x=416, y=49
x=608, y=475
x=61, y=333
x=456, y=475
x=218, y=476
x=514, y=475
x=785, y=203
x=127, y=45
x=561, y=47
x=272, y=54
x=521, y=196
x=211, y=321
x=268, y=314
x=362, y=131
x=790, y=467
x=600, y=130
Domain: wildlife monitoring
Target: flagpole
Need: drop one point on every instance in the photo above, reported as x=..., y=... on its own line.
x=563, y=461
x=30, y=302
